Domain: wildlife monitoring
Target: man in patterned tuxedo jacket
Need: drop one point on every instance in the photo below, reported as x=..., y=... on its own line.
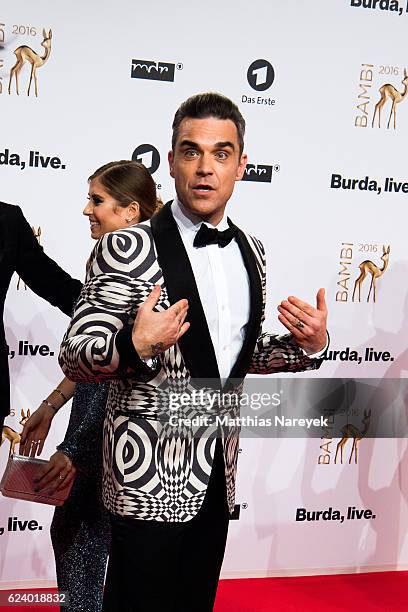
x=177, y=298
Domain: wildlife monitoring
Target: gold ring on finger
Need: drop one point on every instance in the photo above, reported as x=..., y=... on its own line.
x=299, y=324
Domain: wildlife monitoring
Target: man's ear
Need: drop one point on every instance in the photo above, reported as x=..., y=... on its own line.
x=170, y=157
x=241, y=167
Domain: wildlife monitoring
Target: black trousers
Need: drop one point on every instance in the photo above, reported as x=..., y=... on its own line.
x=170, y=567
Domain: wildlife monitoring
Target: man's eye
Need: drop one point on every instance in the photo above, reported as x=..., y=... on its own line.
x=190, y=153
x=222, y=155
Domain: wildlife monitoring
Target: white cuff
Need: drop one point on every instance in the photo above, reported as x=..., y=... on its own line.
x=320, y=353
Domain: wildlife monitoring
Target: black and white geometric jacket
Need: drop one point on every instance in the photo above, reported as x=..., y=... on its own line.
x=149, y=474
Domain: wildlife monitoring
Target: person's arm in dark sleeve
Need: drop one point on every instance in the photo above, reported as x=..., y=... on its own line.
x=41, y=273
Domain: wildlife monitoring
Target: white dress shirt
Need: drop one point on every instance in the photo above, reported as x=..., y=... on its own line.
x=223, y=286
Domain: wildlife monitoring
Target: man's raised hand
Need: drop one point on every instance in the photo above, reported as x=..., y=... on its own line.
x=307, y=324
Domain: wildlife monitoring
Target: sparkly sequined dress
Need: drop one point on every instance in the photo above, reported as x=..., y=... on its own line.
x=80, y=531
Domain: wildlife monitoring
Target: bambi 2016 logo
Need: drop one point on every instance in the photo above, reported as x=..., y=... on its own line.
x=352, y=434
x=355, y=276
x=11, y=435
x=346, y=425
x=380, y=94
x=26, y=55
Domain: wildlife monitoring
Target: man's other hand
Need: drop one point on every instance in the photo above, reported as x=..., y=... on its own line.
x=307, y=324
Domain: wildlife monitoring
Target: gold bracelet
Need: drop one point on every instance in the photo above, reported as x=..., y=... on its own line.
x=50, y=404
x=64, y=397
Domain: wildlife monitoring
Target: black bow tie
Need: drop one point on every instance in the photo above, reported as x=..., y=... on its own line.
x=210, y=235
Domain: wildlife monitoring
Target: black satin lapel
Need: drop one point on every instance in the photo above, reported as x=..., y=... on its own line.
x=196, y=345
x=241, y=366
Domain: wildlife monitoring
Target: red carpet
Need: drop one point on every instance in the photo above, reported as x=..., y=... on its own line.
x=386, y=591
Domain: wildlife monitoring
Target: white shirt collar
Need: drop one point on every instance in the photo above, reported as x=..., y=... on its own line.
x=188, y=223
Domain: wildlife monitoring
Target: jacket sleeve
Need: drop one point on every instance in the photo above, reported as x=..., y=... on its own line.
x=41, y=273
x=98, y=343
x=277, y=353
x=274, y=353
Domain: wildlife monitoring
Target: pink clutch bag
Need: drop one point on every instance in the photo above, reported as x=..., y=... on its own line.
x=19, y=481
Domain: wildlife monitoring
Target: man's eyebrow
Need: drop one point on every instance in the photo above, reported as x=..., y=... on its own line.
x=189, y=143
x=224, y=145
x=218, y=145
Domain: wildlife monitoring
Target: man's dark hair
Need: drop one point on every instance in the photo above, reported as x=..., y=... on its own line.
x=206, y=105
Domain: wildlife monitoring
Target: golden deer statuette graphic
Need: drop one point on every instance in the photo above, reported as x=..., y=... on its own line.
x=12, y=436
x=389, y=91
x=350, y=431
x=37, y=234
x=26, y=54
x=369, y=267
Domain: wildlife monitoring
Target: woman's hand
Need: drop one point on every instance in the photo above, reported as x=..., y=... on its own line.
x=36, y=430
x=57, y=474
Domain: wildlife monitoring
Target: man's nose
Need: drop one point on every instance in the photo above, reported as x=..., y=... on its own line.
x=204, y=166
